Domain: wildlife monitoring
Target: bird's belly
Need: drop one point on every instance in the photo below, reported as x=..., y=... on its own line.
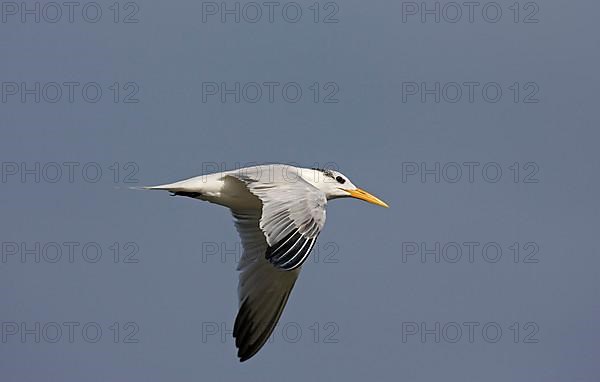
x=233, y=194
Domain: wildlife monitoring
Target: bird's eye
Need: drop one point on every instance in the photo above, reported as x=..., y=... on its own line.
x=340, y=179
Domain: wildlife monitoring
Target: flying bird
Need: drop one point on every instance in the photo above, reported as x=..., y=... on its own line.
x=279, y=211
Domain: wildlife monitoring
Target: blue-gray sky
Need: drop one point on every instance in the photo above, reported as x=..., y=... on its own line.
x=369, y=84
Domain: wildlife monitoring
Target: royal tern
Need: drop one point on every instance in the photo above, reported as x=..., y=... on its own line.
x=279, y=211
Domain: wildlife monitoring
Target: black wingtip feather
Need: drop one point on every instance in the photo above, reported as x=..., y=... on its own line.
x=244, y=327
x=290, y=252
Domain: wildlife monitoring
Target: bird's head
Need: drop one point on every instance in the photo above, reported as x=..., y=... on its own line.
x=337, y=185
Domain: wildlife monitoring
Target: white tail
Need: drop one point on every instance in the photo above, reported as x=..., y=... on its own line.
x=187, y=185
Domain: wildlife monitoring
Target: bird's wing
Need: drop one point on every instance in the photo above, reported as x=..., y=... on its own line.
x=263, y=289
x=293, y=214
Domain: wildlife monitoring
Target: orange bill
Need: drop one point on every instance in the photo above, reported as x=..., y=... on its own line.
x=364, y=195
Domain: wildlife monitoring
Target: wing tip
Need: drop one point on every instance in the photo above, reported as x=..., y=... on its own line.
x=243, y=328
x=246, y=354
